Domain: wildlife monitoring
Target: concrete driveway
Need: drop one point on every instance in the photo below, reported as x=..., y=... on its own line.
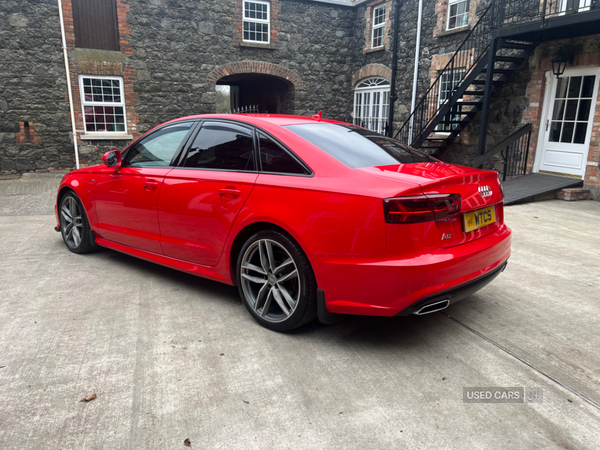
x=173, y=357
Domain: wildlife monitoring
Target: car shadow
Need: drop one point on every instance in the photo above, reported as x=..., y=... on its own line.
x=373, y=332
x=174, y=277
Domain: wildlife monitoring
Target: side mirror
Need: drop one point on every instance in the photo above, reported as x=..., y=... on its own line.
x=112, y=158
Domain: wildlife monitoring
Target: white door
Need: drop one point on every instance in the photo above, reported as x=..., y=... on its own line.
x=568, y=121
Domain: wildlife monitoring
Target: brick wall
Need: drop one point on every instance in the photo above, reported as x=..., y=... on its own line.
x=371, y=70
x=27, y=134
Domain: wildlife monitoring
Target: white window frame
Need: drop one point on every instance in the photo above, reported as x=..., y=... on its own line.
x=92, y=103
x=454, y=2
x=584, y=5
x=253, y=20
x=444, y=95
x=378, y=26
x=373, y=115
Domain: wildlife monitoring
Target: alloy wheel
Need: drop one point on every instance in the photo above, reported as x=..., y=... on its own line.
x=72, y=222
x=270, y=280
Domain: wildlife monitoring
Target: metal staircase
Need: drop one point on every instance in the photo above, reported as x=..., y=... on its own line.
x=459, y=91
x=505, y=35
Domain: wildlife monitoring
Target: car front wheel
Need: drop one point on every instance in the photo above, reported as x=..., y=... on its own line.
x=74, y=225
x=276, y=281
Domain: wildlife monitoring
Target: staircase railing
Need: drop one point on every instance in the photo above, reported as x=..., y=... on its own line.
x=508, y=157
x=515, y=12
x=373, y=123
x=466, y=57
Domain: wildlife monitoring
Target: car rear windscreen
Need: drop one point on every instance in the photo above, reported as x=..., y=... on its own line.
x=358, y=147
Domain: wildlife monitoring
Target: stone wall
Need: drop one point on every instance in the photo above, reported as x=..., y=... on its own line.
x=34, y=111
x=173, y=52
x=177, y=45
x=168, y=50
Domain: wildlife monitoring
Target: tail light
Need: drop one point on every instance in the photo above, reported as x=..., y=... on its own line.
x=421, y=208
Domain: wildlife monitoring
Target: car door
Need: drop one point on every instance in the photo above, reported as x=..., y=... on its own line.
x=200, y=200
x=127, y=196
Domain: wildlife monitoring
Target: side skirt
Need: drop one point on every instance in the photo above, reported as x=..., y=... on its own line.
x=177, y=264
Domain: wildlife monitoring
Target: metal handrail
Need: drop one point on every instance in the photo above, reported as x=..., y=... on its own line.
x=464, y=59
x=514, y=151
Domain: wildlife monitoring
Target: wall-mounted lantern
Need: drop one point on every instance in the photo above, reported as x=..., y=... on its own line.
x=559, y=64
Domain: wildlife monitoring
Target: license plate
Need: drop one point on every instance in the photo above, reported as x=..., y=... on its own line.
x=474, y=220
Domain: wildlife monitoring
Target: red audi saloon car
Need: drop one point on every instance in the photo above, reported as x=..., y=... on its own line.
x=308, y=217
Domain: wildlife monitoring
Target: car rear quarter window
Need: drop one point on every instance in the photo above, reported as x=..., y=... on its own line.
x=222, y=146
x=157, y=149
x=358, y=147
x=275, y=159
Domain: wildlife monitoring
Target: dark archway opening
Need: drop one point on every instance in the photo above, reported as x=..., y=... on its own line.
x=268, y=93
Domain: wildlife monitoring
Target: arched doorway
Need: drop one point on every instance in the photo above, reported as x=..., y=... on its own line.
x=268, y=93
x=271, y=88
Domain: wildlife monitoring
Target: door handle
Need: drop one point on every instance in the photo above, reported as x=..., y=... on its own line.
x=229, y=191
x=150, y=184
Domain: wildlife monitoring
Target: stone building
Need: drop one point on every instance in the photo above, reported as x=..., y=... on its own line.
x=133, y=64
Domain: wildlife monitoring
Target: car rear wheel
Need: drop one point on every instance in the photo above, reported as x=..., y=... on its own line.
x=276, y=281
x=74, y=226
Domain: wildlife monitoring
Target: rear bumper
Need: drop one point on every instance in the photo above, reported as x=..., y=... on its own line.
x=455, y=294
x=388, y=287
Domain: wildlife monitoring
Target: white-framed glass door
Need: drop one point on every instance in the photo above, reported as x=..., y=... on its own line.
x=371, y=104
x=567, y=122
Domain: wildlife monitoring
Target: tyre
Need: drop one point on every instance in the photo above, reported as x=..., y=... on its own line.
x=276, y=281
x=74, y=226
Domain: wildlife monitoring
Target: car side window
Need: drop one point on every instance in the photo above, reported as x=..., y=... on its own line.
x=274, y=158
x=158, y=149
x=222, y=146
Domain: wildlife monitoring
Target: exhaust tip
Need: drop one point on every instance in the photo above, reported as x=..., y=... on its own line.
x=433, y=307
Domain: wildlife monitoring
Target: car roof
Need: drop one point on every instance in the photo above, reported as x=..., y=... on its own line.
x=261, y=119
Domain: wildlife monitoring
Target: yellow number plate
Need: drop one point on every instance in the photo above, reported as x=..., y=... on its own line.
x=479, y=218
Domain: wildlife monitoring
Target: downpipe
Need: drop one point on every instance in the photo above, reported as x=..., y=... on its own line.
x=413, y=101
x=69, y=90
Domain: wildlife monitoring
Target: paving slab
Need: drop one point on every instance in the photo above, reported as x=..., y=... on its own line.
x=29, y=193
x=546, y=305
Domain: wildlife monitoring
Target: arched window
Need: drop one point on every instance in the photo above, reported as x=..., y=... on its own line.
x=372, y=103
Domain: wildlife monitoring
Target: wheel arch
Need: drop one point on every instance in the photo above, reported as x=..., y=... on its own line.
x=253, y=228
x=82, y=192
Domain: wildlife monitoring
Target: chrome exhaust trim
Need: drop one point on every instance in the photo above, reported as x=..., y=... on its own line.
x=433, y=307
